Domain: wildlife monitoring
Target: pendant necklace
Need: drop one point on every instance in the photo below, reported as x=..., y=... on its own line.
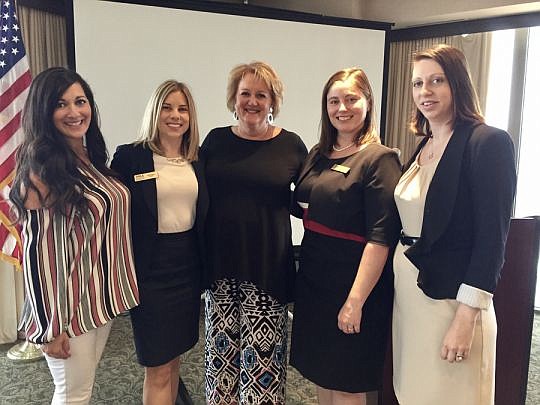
x=431, y=152
x=175, y=160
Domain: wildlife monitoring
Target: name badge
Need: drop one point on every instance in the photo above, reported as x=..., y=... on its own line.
x=145, y=176
x=341, y=169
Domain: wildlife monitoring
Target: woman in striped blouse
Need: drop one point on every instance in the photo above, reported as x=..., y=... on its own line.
x=77, y=261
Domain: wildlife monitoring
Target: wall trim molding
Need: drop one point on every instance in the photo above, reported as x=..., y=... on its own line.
x=466, y=27
x=249, y=10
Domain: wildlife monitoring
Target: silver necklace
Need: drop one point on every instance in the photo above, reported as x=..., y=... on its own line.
x=343, y=148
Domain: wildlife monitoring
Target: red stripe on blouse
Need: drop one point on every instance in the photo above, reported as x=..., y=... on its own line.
x=324, y=230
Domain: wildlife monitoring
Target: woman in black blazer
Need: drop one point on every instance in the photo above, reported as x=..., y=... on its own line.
x=455, y=199
x=169, y=203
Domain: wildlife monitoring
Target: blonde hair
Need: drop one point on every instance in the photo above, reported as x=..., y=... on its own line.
x=149, y=133
x=262, y=71
x=368, y=133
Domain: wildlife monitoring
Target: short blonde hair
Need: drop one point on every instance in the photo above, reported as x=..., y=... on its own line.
x=368, y=133
x=149, y=133
x=260, y=70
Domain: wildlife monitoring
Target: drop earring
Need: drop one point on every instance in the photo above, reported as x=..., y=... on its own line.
x=235, y=115
x=270, y=116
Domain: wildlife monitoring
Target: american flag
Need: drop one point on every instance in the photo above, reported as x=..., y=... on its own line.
x=14, y=83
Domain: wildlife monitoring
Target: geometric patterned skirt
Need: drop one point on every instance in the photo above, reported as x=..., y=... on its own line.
x=245, y=345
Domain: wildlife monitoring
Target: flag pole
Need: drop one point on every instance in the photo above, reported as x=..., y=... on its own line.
x=25, y=351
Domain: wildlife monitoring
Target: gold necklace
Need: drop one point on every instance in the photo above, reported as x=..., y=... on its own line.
x=431, y=152
x=176, y=160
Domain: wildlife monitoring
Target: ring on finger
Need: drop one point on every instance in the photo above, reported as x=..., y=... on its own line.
x=459, y=357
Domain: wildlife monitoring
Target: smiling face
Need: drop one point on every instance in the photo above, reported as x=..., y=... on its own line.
x=72, y=115
x=253, y=101
x=431, y=92
x=173, y=121
x=347, y=108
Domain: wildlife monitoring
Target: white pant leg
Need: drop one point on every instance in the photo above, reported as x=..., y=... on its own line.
x=74, y=377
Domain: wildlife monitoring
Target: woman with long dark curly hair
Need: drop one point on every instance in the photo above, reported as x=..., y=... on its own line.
x=77, y=261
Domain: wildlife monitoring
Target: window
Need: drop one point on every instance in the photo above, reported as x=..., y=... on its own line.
x=513, y=103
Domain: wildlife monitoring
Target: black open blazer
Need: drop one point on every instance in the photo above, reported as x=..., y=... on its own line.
x=467, y=212
x=133, y=159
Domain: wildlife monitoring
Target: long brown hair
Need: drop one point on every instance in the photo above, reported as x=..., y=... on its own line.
x=465, y=105
x=368, y=133
x=45, y=152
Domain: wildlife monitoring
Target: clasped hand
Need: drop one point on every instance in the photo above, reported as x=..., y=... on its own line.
x=58, y=348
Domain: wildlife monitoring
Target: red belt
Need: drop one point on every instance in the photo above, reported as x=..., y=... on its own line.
x=324, y=230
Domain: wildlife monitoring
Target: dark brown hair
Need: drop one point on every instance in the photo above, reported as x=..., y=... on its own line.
x=45, y=152
x=368, y=133
x=465, y=105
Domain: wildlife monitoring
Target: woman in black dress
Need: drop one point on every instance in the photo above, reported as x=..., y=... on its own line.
x=169, y=202
x=344, y=285
x=249, y=168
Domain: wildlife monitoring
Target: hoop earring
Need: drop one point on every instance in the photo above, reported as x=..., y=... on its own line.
x=235, y=115
x=270, y=116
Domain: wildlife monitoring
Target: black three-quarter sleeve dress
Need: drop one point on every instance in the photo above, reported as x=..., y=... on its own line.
x=348, y=205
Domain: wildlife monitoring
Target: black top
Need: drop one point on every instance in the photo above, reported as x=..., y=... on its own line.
x=360, y=201
x=133, y=159
x=248, y=226
x=467, y=212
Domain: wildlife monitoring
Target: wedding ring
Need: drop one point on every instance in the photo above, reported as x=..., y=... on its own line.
x=459, y=357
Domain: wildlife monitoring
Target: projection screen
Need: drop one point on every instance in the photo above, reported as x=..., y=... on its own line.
x=125, y=50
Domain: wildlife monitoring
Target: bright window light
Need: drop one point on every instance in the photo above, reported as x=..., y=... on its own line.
x=500, y=78
x=528, y=197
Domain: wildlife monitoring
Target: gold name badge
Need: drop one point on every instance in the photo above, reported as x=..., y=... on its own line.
x=341, y=169
x=145, y=176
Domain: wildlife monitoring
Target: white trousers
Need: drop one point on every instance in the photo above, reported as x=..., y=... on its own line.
x=74, y=377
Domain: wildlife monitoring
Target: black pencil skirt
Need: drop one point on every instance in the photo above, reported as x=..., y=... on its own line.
x=166, y=323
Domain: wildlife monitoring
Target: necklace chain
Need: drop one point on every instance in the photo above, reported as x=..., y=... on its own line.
x=343, y=148
x=177, y=160
x=263, y=136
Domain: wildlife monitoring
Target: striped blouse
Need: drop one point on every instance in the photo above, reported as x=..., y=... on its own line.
x=79, y=271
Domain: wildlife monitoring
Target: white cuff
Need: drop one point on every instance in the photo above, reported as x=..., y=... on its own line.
x=474, y=297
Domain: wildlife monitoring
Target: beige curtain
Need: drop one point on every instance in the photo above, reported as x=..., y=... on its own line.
x=44, y=37
x=476, y=48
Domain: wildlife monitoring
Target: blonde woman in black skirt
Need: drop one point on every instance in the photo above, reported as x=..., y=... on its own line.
x=169, y=202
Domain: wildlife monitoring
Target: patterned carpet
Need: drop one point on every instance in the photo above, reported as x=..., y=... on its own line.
x=119, y=377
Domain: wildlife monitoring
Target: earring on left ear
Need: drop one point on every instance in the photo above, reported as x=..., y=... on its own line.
x=270, y=116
